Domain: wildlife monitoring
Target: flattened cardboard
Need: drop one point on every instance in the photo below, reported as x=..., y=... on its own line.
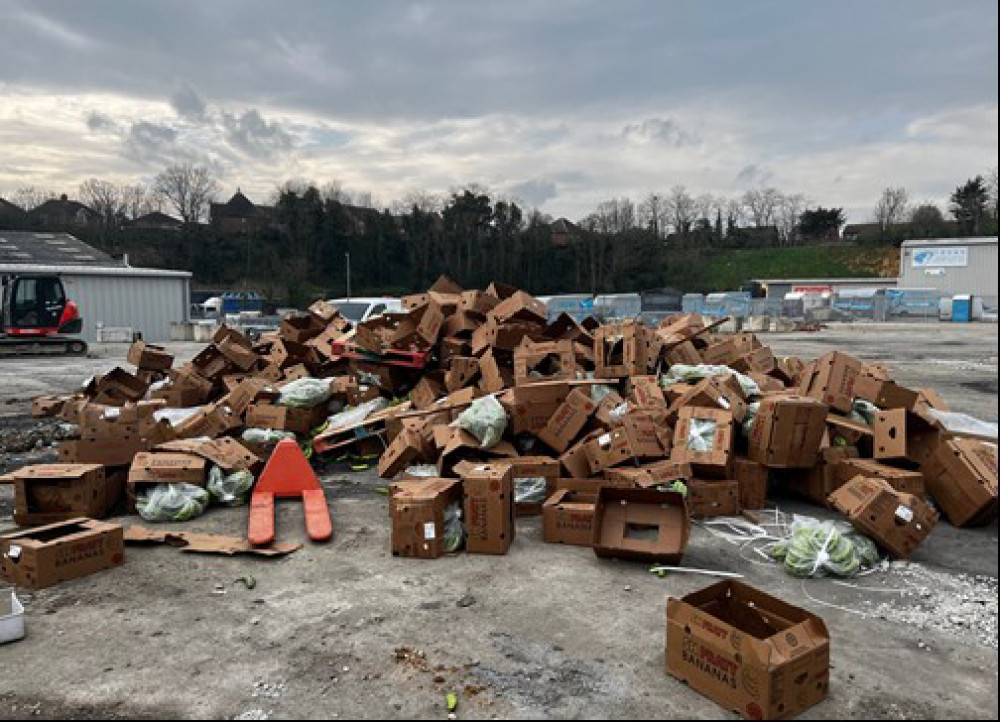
x=787, y=432
x=49, y=555
x=568, y=518
x=196, y=543
x=642, y=525
x=418, y=516
x=748, y=651
x=899, y=523
x=168, y=467
x=961, y=476
x=488, y=503
x=228, y=454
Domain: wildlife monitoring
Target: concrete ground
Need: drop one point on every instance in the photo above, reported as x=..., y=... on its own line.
x=345, y=630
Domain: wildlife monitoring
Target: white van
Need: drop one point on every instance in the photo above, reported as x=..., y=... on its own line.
x=361, y=309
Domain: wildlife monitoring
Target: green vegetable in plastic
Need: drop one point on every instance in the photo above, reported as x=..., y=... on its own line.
x=172, y=502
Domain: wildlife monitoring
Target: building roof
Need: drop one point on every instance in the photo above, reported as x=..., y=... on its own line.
x=156, y=217
x=8, y=208
x=50, y=249
x=62, y=206
x=981, y=241
x=826, y=281
x=239, y=206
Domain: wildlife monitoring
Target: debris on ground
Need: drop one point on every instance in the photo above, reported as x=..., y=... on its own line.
x=478, y=407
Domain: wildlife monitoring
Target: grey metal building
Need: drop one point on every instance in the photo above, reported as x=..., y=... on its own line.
x=109, y=292
x=952, y=266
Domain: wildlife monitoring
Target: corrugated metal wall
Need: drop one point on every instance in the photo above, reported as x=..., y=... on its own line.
x=979, y=277
x=146, y=304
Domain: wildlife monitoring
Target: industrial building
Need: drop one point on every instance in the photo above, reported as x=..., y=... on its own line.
x=952, y=266
x=110, y=293
x=778, y=288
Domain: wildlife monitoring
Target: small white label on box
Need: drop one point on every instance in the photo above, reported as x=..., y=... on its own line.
x=430, y=530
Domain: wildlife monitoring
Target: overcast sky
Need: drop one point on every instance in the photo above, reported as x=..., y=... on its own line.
x=561, y=103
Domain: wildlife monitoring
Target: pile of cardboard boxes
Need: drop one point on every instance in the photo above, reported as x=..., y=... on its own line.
x=616, y=434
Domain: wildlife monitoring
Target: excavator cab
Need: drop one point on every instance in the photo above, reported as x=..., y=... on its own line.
x=37, y=316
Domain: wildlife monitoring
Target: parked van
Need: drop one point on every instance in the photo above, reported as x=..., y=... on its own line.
x=361, y=309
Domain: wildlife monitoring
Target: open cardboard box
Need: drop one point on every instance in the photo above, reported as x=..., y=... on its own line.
x=641, y=524
x=568, y=518
x=898, y=522
x=48, y=555
x=750, y=652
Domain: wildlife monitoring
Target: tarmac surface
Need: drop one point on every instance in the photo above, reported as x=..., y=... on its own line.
x=344, y=630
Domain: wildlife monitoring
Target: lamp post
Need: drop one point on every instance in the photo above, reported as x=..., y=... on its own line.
x=347, y=257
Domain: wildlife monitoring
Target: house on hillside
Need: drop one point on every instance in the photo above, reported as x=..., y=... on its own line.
x=155, y=221
x=62, y=212
x=239, y=216
x=565, y=233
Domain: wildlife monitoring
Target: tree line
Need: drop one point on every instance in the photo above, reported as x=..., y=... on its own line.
x=478, y=236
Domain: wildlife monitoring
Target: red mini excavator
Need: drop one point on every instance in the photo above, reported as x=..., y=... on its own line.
x=36, y=317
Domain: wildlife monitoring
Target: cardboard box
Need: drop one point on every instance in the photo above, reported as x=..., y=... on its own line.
x=284, y=418
x=961, y=476
x=48, y=555
x=817, y=484
x=568, y=420
x=704, y=439
x=893, y=431
x=520, y=306
x=641, y=524
x=47, y=405
x=545, y=361
x=118, y=387
x=710, y=499
x=717, y=392
x=832, y=380
x=526, y=471
x=899, y=523
x=788, y=432
x=749, y=652
x=404, y=449
x=488, y=491
x=620, y=350
x=575, y=460
x=884, y=393
x=568, y=518
x=636, y=438
x=530, y=407
x=905, y=481
x=50, y=493
x=752, y=477
x=149, y=357
x=653, y=475
x=418, y=510
x=187, y=388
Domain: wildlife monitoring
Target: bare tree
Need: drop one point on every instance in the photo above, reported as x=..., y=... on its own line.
x=992, y=183
x=652, y=213
x=30, y=197
x=790, y=209
x=891, y=208
x=761, y=205
x=423, y=201
x=681, y=210
x=188, y=188
x=105, y=199
x=138, y=200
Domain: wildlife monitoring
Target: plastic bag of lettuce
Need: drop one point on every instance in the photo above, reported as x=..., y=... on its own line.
x=815, y=549
x=485, y=419
x=172, y=502
x=230, y=489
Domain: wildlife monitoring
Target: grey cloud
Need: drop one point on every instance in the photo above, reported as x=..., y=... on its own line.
x=255, y=136
x=535, y=192
x=150, y=142
x=96, y=120
x=661, y=130
x=753, y=175
x=188, y=104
